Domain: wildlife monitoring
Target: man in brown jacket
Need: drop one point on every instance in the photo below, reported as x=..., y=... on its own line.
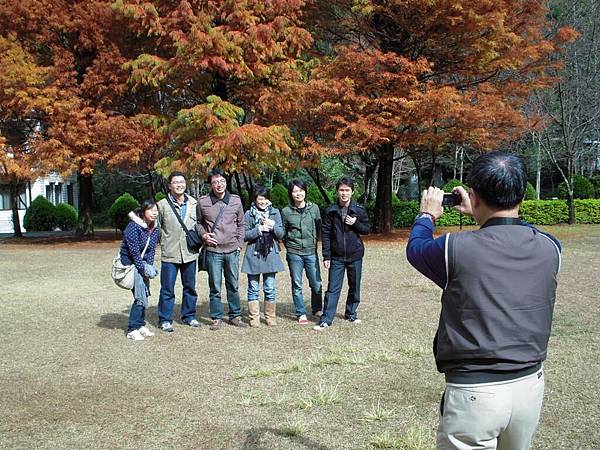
x=224, y=242
x=175, y=255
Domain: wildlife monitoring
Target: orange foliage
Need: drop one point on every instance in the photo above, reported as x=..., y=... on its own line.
x=213, y=58
x=420, y=74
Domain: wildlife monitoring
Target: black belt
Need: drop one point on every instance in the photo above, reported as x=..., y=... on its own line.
x=489, y=376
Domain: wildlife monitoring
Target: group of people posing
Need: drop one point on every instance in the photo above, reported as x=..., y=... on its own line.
x=220, y=221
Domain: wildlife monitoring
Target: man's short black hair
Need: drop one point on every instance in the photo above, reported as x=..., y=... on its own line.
x=259, y=190
x=216, y=172
x=499, y=179
x=176, y=173
x=346, y=181
x=296, y=183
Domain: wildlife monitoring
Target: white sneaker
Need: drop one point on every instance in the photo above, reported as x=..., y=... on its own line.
x=302, y=320
x=135, y=335
x=321, y=326
x=167, y=326
x=354, y=320
x=144, y=331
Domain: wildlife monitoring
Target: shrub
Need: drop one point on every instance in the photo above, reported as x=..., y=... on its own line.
x=120, y=208
x=279, y=196
x=587, y=211
x=530, y=192
x=66, y=216
x=451, y=217
x=159, y=196
x=40, y=216
x=582, y=188
x=544, y=212
x=314, y=195
x=404, y=213
x=536, y=212
x=451, y=184
x=596, y=182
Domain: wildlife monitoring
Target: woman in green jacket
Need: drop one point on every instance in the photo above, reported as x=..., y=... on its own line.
x=302, y=224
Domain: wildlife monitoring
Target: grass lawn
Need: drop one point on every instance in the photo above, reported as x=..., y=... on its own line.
x=70, y=379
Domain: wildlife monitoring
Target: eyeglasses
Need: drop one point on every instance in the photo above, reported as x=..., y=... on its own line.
x=215, y=182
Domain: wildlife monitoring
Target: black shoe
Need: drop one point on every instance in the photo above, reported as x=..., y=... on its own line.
x=237, y=322
x=217, y=324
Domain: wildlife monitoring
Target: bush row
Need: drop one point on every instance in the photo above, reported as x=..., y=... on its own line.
x=44, y=216
x=537, y=212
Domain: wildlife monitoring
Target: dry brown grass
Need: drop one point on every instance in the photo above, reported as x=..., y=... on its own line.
x=70, y=379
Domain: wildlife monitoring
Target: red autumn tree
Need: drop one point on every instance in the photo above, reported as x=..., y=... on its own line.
x=417, y=75
x=24, y=102
x=93, y=114
x=211, y=59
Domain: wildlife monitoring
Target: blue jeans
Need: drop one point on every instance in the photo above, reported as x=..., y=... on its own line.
x=227, y=264
x=336, y=278
x=137, y=316
x=166, y=301
x=310, y=264
x=268, y=287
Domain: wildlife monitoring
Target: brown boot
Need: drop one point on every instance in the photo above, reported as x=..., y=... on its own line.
x=254, y=313
x=270, y=313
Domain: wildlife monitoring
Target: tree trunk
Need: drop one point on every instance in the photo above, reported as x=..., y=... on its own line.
x=151, y=184
x=382, y=222
x=85, y=226
x=14, y=200
x=571, y=205
x=246, y=200
x=317, y=179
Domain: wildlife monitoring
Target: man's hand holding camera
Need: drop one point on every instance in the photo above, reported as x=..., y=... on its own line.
x=433, y=198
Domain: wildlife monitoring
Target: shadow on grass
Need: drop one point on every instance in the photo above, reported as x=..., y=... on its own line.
x=254, y=436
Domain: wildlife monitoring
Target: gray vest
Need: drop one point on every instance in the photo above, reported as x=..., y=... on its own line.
x=498, y=303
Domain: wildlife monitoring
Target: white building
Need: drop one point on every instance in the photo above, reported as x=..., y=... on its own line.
x=54, y=188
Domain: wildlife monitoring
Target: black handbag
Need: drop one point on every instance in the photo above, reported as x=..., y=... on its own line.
x=203, y=260
x=192, y=238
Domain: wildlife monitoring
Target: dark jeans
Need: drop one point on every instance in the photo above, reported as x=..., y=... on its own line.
x=137, y=316
x=166, y=301
x=227, y=264
x=334, y=287
x=309, y=263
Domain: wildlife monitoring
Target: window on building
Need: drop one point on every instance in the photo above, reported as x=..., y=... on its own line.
x=50, y=192
x=70, y=199
x=5, y=201
x=58, y=193
x=4, y=198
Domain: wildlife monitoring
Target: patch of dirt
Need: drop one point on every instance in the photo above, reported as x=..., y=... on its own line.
x=99, y=240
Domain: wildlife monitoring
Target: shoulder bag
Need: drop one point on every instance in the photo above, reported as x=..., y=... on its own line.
x=192, y=239
x=122, y=274
x=203, y=257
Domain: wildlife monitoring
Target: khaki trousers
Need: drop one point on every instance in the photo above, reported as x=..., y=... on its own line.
x=501, y=415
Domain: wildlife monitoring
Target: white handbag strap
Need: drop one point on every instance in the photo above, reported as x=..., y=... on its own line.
x=146, y=247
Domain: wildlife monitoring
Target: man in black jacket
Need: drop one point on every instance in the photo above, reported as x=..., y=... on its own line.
x=343, y=251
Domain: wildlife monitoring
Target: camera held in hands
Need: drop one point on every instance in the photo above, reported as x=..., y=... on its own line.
x=452, y=199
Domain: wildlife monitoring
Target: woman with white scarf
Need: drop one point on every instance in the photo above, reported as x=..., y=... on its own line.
x=263, y=228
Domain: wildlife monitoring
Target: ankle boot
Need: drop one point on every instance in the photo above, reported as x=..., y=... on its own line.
x=270, y=313
x=254, y=313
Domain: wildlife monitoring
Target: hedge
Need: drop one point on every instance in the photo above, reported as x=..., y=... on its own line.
x=537, y=212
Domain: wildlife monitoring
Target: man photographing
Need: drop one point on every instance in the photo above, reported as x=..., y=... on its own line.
x=499, y=287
